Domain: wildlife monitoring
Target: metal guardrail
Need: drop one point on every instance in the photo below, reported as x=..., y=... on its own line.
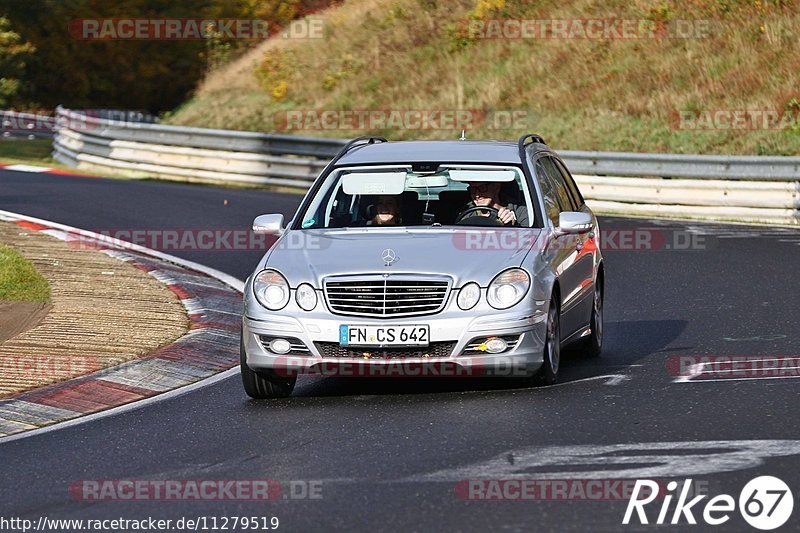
x=725, y=167
x=238, y=141
x=744, y=188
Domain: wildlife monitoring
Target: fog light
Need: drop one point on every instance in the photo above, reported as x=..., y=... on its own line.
x=280, y=346
x=496, y=345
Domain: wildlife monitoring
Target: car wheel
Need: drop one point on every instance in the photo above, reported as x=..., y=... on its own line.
x=263, y=384
x=548, y=372
x=594, y=342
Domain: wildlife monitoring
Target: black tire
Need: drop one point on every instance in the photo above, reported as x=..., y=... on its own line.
x=594, y=342
x=263, y=384
x=548, y=372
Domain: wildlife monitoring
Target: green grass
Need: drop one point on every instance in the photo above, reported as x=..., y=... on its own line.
x=27, y=152
x=19, y=279
x=617, y=95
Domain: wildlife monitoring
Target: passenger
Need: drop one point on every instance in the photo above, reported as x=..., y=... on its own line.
x=487, y=194
x=387, y=211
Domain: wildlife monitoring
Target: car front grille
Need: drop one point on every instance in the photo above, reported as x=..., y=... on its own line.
x=434, y=350
x=386, y=296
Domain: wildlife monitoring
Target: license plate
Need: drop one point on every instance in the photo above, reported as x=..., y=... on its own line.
x=413, y=335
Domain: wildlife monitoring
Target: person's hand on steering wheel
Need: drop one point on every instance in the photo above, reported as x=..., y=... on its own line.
x=506, y=216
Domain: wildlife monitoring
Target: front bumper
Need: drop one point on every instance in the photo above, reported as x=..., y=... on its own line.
x=529, y=325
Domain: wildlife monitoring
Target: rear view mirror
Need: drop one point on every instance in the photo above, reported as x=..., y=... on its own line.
x=426, y=182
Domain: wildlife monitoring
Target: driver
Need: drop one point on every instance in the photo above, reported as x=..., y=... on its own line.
x=487, y=194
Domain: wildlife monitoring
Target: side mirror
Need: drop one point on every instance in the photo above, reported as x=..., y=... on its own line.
x=574, y=222
x=268, y=224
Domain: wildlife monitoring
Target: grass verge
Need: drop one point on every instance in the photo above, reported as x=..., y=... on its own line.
x=27, y=152
x=19, y=279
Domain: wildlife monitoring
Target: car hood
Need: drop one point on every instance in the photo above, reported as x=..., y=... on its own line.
x=475, y=254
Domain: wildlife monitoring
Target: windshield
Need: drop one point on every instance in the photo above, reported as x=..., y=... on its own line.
x=471, y=195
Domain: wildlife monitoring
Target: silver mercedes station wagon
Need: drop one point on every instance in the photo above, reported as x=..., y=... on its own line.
x=426, y=258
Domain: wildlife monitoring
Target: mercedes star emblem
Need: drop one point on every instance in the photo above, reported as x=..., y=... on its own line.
x=388, y=257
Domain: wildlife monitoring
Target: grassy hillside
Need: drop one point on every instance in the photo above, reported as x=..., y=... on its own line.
x=588, y=94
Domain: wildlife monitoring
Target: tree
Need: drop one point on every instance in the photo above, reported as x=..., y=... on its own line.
x=13, y=56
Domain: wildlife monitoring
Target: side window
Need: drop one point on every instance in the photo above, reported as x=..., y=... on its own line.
x=551, y=207
x=571, y=186
x=564, y=199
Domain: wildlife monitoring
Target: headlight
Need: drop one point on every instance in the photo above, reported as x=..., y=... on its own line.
x=469, y=295
x=508, y=288
x=271, y=289
x=305, y=296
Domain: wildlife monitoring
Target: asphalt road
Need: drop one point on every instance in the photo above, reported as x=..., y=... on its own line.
x=389, y=453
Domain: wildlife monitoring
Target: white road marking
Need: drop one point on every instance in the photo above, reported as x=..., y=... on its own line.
x=617, y=379
x=694, y=370
x=634, y=460
x=27, y=168
x=613, y=379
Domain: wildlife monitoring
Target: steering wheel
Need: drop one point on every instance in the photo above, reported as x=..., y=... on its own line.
x=480, y=220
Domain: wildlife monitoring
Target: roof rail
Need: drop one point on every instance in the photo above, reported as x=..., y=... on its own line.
x=364, y=139
x=523, y=142
x=534, y=138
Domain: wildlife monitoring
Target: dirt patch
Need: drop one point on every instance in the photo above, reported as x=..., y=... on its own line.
x=18, y=317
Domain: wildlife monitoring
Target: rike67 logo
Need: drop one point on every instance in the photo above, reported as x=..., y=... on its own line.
x=765, y=503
